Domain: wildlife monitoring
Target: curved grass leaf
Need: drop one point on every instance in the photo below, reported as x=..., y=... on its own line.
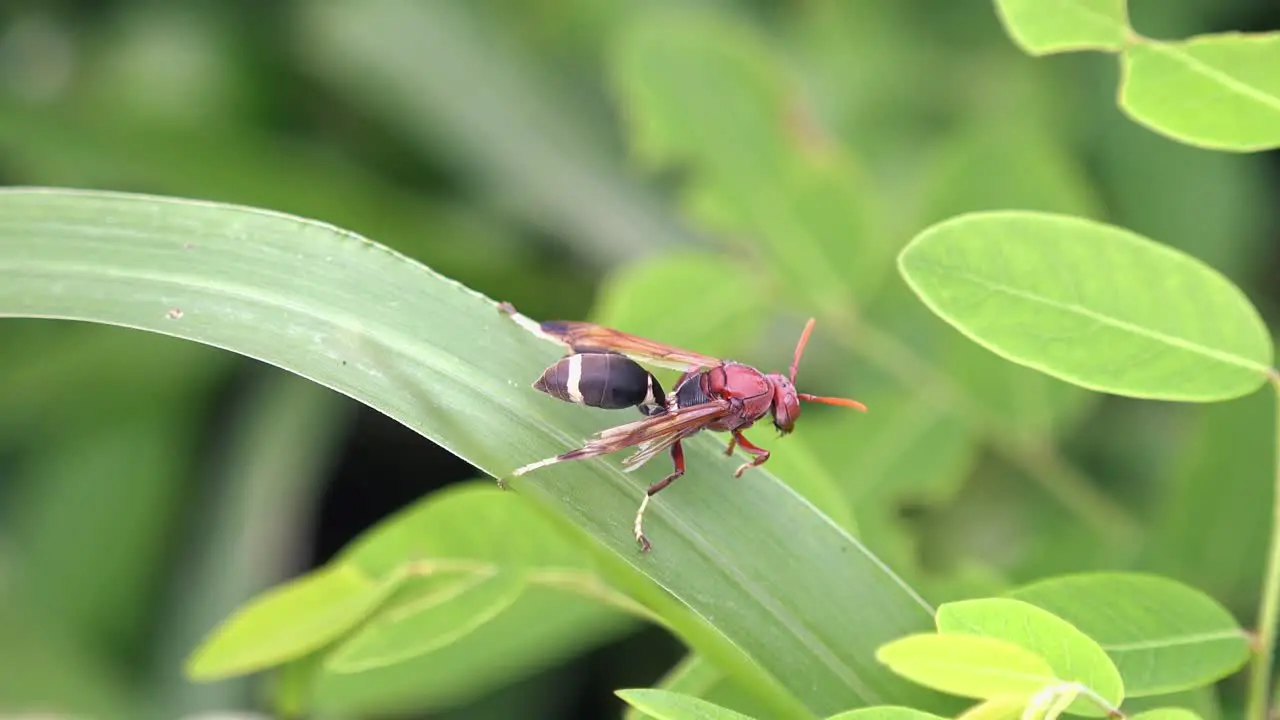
x=968, y=665
x=1215, y=91
x=1162, y=635
x=1074, y=656
x=1091, y=304
x=1041, y=28
x=778, y=578
x=918, y=454
x=667, y=705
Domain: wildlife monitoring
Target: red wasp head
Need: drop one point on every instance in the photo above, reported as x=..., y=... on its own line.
x=786, y=401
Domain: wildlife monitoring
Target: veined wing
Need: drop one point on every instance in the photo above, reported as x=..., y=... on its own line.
x=661, y=432
x=650, y=436
x=585, y=337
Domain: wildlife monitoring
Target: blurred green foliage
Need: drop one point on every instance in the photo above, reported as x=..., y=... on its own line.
x=541, y=154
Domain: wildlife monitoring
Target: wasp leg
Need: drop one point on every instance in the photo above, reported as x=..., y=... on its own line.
x=759, y=453
x=677, y=457
x=733, y=442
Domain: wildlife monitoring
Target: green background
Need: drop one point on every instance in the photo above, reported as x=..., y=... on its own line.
x=510, y=145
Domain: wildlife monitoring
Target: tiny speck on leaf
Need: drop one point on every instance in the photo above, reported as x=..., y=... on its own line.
x=174, y=313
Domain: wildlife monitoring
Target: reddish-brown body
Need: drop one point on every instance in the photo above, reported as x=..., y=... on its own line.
x=712, y=394
x=749, y=392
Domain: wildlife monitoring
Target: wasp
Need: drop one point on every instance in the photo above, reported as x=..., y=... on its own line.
x=603, y=370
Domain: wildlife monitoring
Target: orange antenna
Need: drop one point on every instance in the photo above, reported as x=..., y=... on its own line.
x=795, y=364
x=845, y=402
x=804, y=340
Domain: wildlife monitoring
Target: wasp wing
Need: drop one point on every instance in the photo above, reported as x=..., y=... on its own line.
x=680, y=424
x=650, y=436
x=587, y=337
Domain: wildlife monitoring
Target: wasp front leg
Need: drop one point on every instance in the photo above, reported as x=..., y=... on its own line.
x=677, y=457
x=759, y=454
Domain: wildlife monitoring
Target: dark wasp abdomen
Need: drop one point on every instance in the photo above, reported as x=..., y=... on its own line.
x=604, y=380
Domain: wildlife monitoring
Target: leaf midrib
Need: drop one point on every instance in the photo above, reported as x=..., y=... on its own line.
x=1173, y=641
x=1082, y=311
x=1230, y=82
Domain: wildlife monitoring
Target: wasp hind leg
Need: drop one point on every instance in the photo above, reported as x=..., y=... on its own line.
x=759, y=454
x=677, y=457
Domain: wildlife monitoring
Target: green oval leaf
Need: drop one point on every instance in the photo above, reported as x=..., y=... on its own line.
x=471, y=525
x=968, y=665
x=289, y=621
x=1042, y=27
x=1214, y=91
x=1004, y=707
x=695, y=676
x=667, y=705
x=493, y=563
x=1074, y=656
x=436, y=356
x=1091, y=304
x=418, y=623
x=885, y=712
x=1162, y=635
x=542, y=625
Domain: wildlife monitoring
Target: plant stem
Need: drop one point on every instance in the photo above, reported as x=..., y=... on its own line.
x=1269, y=608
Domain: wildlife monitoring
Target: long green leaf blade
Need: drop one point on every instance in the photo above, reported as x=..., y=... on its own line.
x=780, y=582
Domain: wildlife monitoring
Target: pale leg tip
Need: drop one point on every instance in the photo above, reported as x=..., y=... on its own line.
x=639, y=525
x=534, y=466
